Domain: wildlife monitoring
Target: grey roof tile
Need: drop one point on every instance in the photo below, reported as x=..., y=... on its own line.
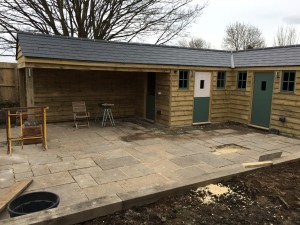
x=277, y=56
x=58, y=47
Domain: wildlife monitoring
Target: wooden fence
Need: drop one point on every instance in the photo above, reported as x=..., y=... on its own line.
x=9, y=85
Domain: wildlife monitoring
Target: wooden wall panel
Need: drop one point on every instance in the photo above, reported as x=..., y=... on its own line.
x=239, y=100
x=58, y=88
x=162, y=100
x=287, y=105
x=9, y=86
x=219, y=100
x=182, y=101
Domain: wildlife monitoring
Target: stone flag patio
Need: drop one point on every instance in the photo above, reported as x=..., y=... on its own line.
x=88, y=163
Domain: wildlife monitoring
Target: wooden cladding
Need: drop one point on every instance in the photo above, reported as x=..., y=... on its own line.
x=9, y=86
x=59, y=88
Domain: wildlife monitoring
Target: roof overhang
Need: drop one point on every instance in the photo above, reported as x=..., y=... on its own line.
x=27, y=62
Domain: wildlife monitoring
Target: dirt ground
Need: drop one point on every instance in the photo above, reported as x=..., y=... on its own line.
x=266, y=196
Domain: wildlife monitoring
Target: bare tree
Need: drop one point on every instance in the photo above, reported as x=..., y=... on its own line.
x=239, y=36
x=194, y=43
x=286, y=36
x=123, y=20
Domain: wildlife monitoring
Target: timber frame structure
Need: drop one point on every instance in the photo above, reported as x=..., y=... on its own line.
x=55, y=71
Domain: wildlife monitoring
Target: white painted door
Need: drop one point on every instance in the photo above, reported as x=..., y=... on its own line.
x=201, y=97
x=202, y=84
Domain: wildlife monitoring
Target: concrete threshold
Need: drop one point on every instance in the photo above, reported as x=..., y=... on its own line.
x=110, y=204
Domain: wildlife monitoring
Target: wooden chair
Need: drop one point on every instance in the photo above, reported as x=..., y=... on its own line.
x=81, y=116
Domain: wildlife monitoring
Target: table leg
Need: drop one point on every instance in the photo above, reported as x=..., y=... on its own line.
x=104, y=117
x=111, y=118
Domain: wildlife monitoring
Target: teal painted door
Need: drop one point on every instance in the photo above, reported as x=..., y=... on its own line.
x=201, y=97
x=262, y=99
x=150, y=98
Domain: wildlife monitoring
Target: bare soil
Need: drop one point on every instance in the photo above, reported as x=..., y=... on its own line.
x=265, y=196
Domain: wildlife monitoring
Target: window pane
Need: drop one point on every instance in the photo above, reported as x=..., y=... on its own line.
x=185, y=84
x=291, y=86
x=285, y=76
x=185, y=75
x=221, y=83
x=180, y=83
x=244, y=84
x=240, y=76
x=221, y=75
x=245, y=76
x=240, y=84
x=284, y=86
x=292, y=76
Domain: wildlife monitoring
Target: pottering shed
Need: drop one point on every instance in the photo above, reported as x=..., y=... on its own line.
x=172, y=86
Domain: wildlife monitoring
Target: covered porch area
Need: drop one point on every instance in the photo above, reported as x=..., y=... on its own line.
x=135, y=92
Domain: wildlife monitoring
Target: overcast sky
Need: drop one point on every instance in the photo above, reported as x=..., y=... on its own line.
x=267, y=15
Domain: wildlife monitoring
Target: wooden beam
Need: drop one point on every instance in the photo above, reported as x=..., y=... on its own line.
x=257, y=164
x=12, y=192
x=29, y=87
x=88, y=65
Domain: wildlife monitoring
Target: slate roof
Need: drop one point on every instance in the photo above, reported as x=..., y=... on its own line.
x=66, y=48
x=276, y=56
x=58, y=47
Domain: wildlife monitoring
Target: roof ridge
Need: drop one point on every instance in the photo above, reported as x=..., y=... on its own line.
x=120, y=42
x=268, y=48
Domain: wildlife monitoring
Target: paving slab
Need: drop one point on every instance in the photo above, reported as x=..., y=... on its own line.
x=6, y=178
x=21, y=167
x=107, y=164
x=143, y=182
x=211, y=159
x=85, y=180
x=50, y=180
x=190, y=172
x=109, y=176
x=185, y=161
x=39, y=170
x=269, y=156
x=137, y=170
x=70, y=165
x=23, y=176
x=90, y=170
x=103, y=190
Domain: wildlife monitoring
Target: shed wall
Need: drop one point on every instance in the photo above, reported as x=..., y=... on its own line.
x=287, y=105
x=162, y=98
x=239, y=100
x=58, y=88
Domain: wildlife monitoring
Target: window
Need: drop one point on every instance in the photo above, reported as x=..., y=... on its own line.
x=201, y=84
x=183, y=78
x=288, y=81
x=242, y=80
x=263, y=85
x=221, y=79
